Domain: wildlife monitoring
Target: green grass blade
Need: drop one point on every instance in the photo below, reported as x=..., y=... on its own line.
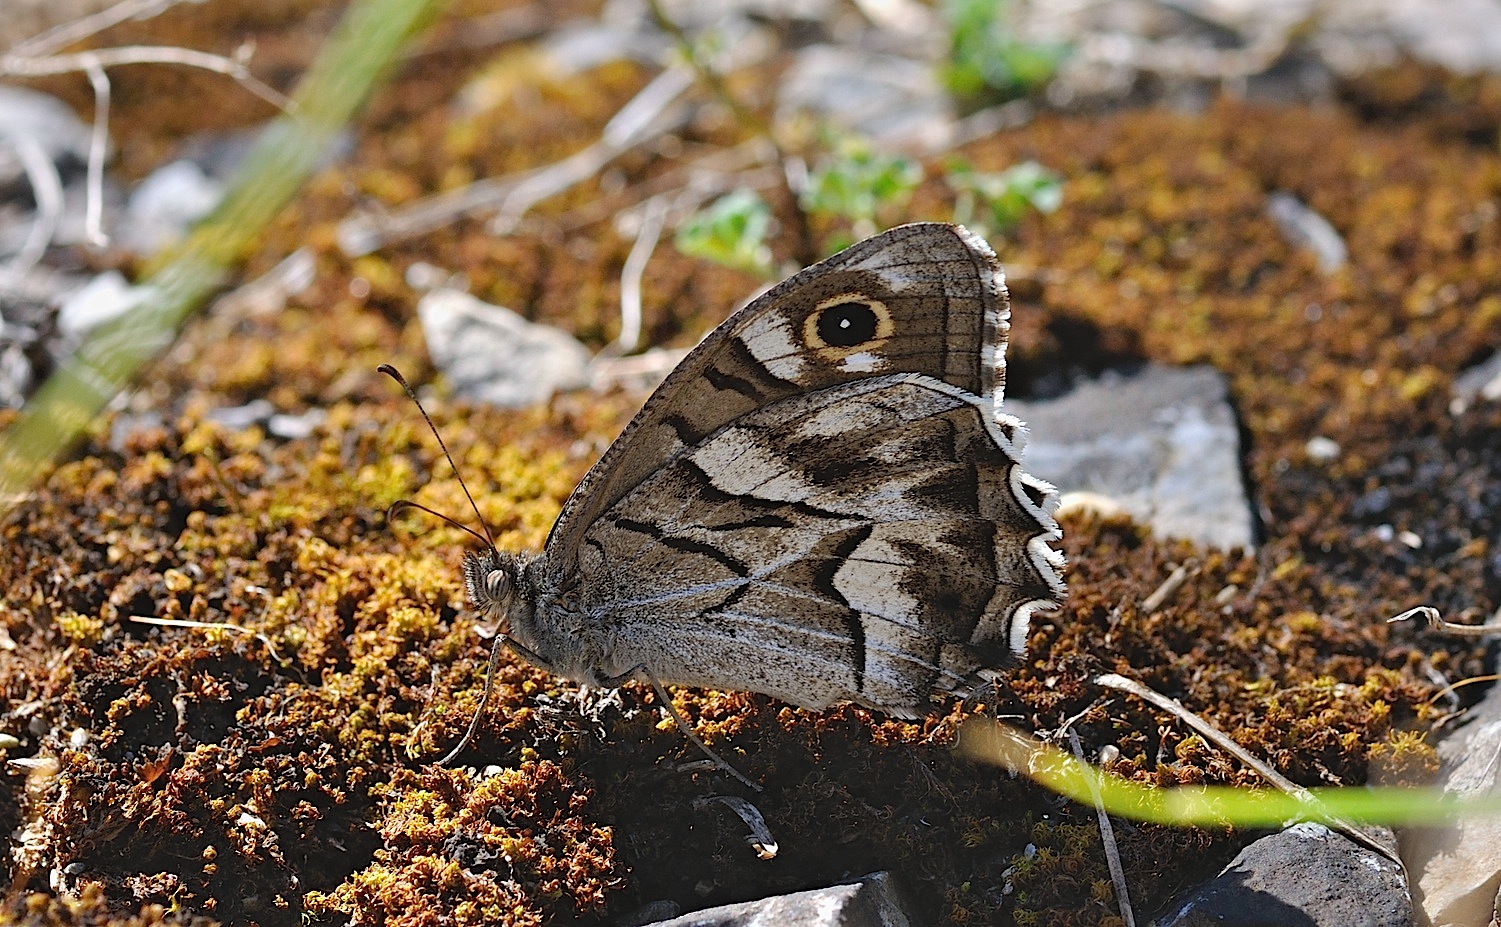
x=1211, y=806
x=354, y=59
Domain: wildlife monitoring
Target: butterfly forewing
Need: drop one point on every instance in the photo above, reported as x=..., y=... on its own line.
x=937, y=285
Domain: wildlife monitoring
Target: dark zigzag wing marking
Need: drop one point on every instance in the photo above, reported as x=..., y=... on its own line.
x=815, y=581
x=686, y=545
x=948, y=488
x=655, y=600
x=955, y=490
x=922, y=649
x=771, y=507
x=723, y=380
x=683, y=430
x=819, y=665
x=1021, y=573
x=925, y=589
x=824, y=578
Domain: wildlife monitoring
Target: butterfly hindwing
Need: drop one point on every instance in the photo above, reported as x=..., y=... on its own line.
x=864, y=542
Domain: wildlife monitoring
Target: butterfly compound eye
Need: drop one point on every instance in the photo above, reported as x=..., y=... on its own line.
x=847, y=323
x=497, y=583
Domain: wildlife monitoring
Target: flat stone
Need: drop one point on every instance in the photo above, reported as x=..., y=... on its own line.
x=165, y=205
x=1306, y=875
x=44, y=121
x=873, y=901
x=1304, y=228
x=103, y=299
x=885, y=97
x=1456, y=866
x=490, y=354
x=1480, y=383
x=1161, y=444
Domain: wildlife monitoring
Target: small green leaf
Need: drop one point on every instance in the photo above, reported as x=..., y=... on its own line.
x=996, y=202
x=731, y=231
x=858, y=184
x=986, y=64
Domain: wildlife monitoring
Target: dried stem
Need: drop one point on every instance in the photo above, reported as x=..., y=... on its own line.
x=1107, y=835
x=511, y=197
x=47, y=191
x=76, y=30
x=1436, y=622
x=14, y=65
x=1222, y=740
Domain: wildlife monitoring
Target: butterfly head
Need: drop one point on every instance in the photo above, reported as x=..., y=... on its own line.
x=496, y=587
x=503, y=586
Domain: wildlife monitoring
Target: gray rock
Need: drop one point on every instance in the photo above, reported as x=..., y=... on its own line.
x=1161, y=444
x=1283, y=50
x=164, y=205
x=15, y=376
x=295, y=427
x=1322, y=449
x=261, y=412
x=874, y=901
x=1456, y=865
x=1305, y=876
x=46, y=121
x=649, y=914
x=885, y=97
x=1306, y=229
x=43, y=148
x=126, y=426
x=1461, y=35
x=238, y=418
x=626, y=30
x=492, y=355
x=103, y=299
x=1480, y=383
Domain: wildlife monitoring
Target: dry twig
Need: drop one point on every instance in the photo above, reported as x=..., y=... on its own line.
x=1107, y=835
x=1222, y=740
x=647, y=116
x=1436, y=622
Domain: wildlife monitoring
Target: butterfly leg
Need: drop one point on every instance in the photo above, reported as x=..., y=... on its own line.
x=641, y=669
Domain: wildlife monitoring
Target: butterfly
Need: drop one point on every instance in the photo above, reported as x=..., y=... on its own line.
x=822, y=502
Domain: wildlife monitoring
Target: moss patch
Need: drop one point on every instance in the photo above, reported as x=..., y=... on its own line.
x=281, y=770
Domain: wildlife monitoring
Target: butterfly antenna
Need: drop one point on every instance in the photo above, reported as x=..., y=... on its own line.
x=401, y=504
x=489, y=540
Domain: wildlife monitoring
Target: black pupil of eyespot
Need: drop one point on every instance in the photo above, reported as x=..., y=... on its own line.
x=847, y=324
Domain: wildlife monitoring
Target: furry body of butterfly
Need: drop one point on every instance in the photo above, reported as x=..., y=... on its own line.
x=822, y=502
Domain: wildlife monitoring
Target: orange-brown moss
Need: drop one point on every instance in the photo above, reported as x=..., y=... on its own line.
x=283, y=770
